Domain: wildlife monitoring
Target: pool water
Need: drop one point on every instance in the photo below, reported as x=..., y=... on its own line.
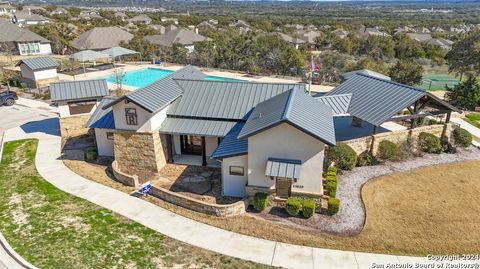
x=145, y=76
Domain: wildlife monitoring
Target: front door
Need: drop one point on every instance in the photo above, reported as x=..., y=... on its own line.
x=283, y=187
x=191, y=144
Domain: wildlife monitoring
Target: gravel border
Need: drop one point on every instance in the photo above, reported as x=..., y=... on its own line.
x=351, y=217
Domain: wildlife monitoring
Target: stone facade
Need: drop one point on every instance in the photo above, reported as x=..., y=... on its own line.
x=229, y=210
x=74, y=125
x=140, y=154
x=360, y=145
x=124, y=178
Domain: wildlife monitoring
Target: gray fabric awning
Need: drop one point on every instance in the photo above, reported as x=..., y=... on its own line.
x=283, y=168
x=196, y=127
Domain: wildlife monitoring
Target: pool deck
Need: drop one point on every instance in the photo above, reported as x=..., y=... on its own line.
x=174, y=67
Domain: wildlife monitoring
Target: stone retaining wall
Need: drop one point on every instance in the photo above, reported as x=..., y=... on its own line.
x=74, y=125
x=199, y=206
x=123, y=178
x=360, y=145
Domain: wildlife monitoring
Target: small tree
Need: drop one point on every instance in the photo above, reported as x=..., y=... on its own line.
x=119, y=75
x=466, y=94
x=407, y=72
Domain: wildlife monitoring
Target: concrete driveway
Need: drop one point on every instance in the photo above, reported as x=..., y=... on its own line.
x=24, y=111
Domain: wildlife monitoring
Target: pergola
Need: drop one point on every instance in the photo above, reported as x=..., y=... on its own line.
x=376, y=101
x=87, y=55
x=118, y=52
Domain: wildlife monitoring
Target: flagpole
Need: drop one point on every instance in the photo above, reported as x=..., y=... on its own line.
x=310, y=83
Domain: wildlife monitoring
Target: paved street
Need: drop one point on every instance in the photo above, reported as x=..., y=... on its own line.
x=22, y=112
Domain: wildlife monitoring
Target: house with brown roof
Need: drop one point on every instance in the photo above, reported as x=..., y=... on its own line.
x=181, y=36
x=21, y=41
x=101, y=38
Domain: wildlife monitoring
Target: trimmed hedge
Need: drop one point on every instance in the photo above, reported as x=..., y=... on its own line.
x=332, y=169
x=333, y=206
x=388, y=151
x=429, y=143
x=366, y=158
x=293, y=206
x=260, y=201
x=343, y=155
x=331, y=178
x=462, y=137
x=309, y=206
x=331, y=188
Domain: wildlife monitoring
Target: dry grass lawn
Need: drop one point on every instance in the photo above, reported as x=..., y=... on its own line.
x=433, y=209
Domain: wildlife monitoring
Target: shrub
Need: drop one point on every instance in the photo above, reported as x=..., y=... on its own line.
x=332, y=169
x=388, y=151
x=331, y=178
x=447, y=147
x=331, y=188
x=366, y=158
x=429, y=143
x=343, y=155
x=309, y=206
x=260, y=201
x=91, y=154
x=293, y=206
x=462, y=137
x=333, y=205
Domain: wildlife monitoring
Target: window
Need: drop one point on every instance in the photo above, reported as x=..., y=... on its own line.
x=110, y=135
x=131, y=116
x=236, y=171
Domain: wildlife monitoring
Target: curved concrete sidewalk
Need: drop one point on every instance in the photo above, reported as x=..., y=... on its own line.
x=50, y=167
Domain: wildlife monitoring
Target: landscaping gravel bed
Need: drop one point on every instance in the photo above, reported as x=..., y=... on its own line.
x=351, y=217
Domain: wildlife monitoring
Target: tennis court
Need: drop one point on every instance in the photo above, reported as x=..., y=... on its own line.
x=436, y=82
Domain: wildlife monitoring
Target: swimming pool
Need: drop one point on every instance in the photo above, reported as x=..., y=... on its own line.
x=145, y=76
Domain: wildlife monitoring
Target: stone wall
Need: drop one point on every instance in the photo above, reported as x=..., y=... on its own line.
x=398, y=137
x=74, y=125
x=199, y=206
x=140, y=154
x=123, y=178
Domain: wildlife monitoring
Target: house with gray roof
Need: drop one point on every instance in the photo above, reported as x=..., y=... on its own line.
x=79, y=97
x=39, y=71
x=22, y=41
x=266, y=137
x=184, y=37
x=140, y=19
x=101, y=38
x=27, y=18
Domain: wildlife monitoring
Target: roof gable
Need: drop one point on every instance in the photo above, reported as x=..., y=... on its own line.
x=224, y=99
x=162, y=92
x=102, y=118
x=338, y=103
x=39, y=63
x=296, y=108
x=12, y=33
x=77, y=90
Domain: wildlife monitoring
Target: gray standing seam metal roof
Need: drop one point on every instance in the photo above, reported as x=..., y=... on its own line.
x=39, y=63
x=338, y=103
x=77, y=90
x=283, y=168
x=196, y=127
x=376, y=100
x=348, y=75
x=224, y=99
x=296, y=108
x=230, y=145
x=102, y=118
x=162, y=92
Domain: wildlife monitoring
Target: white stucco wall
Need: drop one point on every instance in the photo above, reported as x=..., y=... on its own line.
x=146, y=121
x=104, y=145
x=211, y=143
x=177, y=145
x=286, y=142
x=233, y=185
x=45, y=74
x=45, y=48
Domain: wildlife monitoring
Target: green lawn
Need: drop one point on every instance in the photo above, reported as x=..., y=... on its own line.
x=473, y=119
x=53, y=229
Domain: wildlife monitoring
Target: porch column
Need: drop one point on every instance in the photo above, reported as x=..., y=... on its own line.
x=204, y=152
x=169, y=148
x=449, y=114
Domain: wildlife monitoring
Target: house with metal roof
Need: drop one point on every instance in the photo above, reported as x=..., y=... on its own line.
x=21, y=41
x=266, y=137
x=239, y=126
x=39, y=71
x=78, y=97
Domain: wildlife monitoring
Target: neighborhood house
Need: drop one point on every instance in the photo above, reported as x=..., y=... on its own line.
x=38, y=72
x=266, y=137
x=22, y=41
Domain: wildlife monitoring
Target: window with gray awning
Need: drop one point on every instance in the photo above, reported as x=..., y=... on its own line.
x=283, y=168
